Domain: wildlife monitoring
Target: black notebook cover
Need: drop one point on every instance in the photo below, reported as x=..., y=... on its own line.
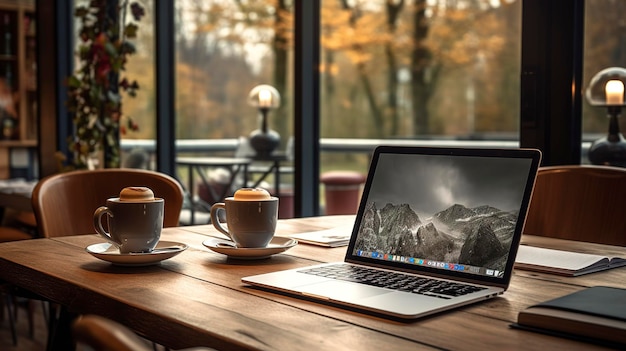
x=598, y=315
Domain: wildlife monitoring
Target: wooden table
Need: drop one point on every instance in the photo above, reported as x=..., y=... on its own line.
x=197, y=298
x=16, y=193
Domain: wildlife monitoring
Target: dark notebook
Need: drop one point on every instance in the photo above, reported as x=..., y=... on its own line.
x=596, y=314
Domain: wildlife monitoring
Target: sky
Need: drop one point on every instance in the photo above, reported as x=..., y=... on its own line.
x=430, y=184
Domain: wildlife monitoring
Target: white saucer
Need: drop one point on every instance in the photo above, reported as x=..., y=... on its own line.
x=110, y=253
x=277, y=245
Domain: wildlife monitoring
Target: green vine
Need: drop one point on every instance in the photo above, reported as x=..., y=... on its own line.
x=94, y=89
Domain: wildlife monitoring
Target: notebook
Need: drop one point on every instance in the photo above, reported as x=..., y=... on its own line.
x=437, y=228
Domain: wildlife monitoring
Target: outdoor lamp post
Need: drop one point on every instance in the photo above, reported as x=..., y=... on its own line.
x=264, y=140
x=606, y=89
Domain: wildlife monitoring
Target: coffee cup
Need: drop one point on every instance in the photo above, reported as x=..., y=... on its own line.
x=135, y=220
x=251, y=216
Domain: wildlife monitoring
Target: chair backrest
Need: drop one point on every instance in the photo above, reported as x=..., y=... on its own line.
x=64, y=203
x=583, y=203
x=103, y=334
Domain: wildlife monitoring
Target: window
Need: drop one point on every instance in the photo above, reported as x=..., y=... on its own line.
x=465, y=86
x=454, y=76
x=223, y=50
x=137, y=142
x=605, y=46
x=418, y=71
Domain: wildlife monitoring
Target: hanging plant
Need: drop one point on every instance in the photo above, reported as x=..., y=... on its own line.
x=94, y=89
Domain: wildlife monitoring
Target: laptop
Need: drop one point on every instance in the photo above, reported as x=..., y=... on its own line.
x=437, y=228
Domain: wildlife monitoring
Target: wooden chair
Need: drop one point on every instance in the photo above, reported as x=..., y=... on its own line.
x=12, y=234
x=102, y=334
x=7, y=299
x=64, y=203
x=583, y=203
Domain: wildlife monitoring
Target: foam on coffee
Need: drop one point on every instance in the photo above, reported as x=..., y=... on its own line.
x=136, y=193
x=251, y=194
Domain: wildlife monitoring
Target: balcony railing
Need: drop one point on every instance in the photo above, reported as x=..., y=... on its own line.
x=340, y=145
x=326, y=144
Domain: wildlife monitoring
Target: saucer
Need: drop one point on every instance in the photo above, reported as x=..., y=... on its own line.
x=277, y=245
x=110, y=253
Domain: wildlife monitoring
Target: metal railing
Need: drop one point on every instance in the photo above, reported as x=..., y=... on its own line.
x=326, y=144
x=334, y=145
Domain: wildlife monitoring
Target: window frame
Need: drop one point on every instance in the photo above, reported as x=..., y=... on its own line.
x=551, y=98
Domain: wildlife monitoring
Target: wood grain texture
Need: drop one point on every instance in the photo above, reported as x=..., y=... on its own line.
x=197, y=297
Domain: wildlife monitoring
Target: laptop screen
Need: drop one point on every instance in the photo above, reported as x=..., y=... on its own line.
x=453, y=211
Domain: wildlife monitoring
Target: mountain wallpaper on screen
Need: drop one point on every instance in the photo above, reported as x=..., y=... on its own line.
x=478, y=236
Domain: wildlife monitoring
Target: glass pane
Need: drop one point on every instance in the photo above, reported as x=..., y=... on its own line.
x=138, y=115
x=223, y=50
x=605, y=46
x=418, y=70
x=139, y=145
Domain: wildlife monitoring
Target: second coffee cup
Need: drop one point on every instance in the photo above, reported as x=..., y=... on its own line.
x=251, y=216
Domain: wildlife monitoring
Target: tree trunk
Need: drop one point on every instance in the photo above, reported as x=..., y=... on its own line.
x=420, y=63
x=393, y=11
x=279, y=45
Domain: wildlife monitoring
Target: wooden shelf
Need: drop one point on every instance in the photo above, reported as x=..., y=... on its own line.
x=18, y=85
x=18, y=143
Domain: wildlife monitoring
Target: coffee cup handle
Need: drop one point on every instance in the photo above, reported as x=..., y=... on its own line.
x=97, y=223
x=215, y=219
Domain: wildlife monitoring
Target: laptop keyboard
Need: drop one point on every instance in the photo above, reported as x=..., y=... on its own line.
x=394, y=280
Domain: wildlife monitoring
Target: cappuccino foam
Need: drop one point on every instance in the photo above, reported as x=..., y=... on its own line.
x=136, y=193
x=251, y=194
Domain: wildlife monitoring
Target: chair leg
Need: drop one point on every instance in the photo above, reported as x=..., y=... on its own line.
x=46, y=315
x=2, y=304
x=30, y=307
x=53, y=316
x=8, y=298
x=60, y=329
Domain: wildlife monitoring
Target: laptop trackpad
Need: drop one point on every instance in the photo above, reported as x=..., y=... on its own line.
x=341, y=291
